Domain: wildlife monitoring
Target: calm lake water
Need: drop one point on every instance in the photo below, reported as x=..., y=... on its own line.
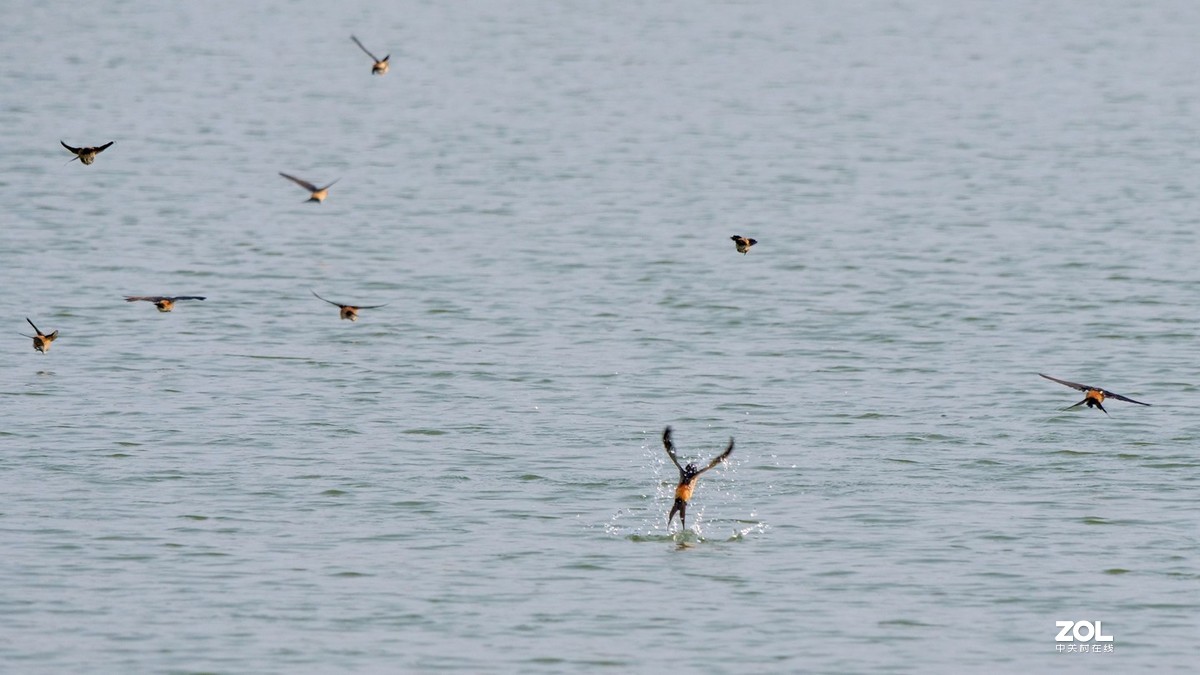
x=949, y=198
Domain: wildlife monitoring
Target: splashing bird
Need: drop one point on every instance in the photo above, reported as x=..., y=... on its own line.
x=86, y=155
x=349, y=312
x=1093, y=397
x=41, y=341
x=316, y=194
x=688, y=476
x=381, y=65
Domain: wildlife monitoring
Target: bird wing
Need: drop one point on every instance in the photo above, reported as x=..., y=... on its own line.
x=720, y=458
x=338, y=304
x=74, y=150
x=372, y=306
x=670, y=448
x=328, y=186
x=751, y=241
x=1119, y=397
x=147, y=298
x=302, y=183
x=360, y=46
x=35, y=328
x=736, y=237
x=1073, y=385
x=102, y=148
x=186, y=297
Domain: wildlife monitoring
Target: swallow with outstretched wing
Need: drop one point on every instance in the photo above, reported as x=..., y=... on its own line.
x=86, y=155
x=743, y=243
x=349, y=312
x=1093, y=397
x=163, y=303
x=381, y=65
x=41, y=341
x=316, y=194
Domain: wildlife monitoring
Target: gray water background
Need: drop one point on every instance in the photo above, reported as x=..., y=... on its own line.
x=949, y=198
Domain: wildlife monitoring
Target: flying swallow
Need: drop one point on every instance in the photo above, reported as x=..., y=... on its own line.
x=743, y=243
x=688, y=476
x=349, y=311
x=41, y=341
x=381, y=65
x=164, y=304
x=86, y=155
x=1092, y=396
x=317, y=194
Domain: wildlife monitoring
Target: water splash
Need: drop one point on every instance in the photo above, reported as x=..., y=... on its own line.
x=718, y=494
